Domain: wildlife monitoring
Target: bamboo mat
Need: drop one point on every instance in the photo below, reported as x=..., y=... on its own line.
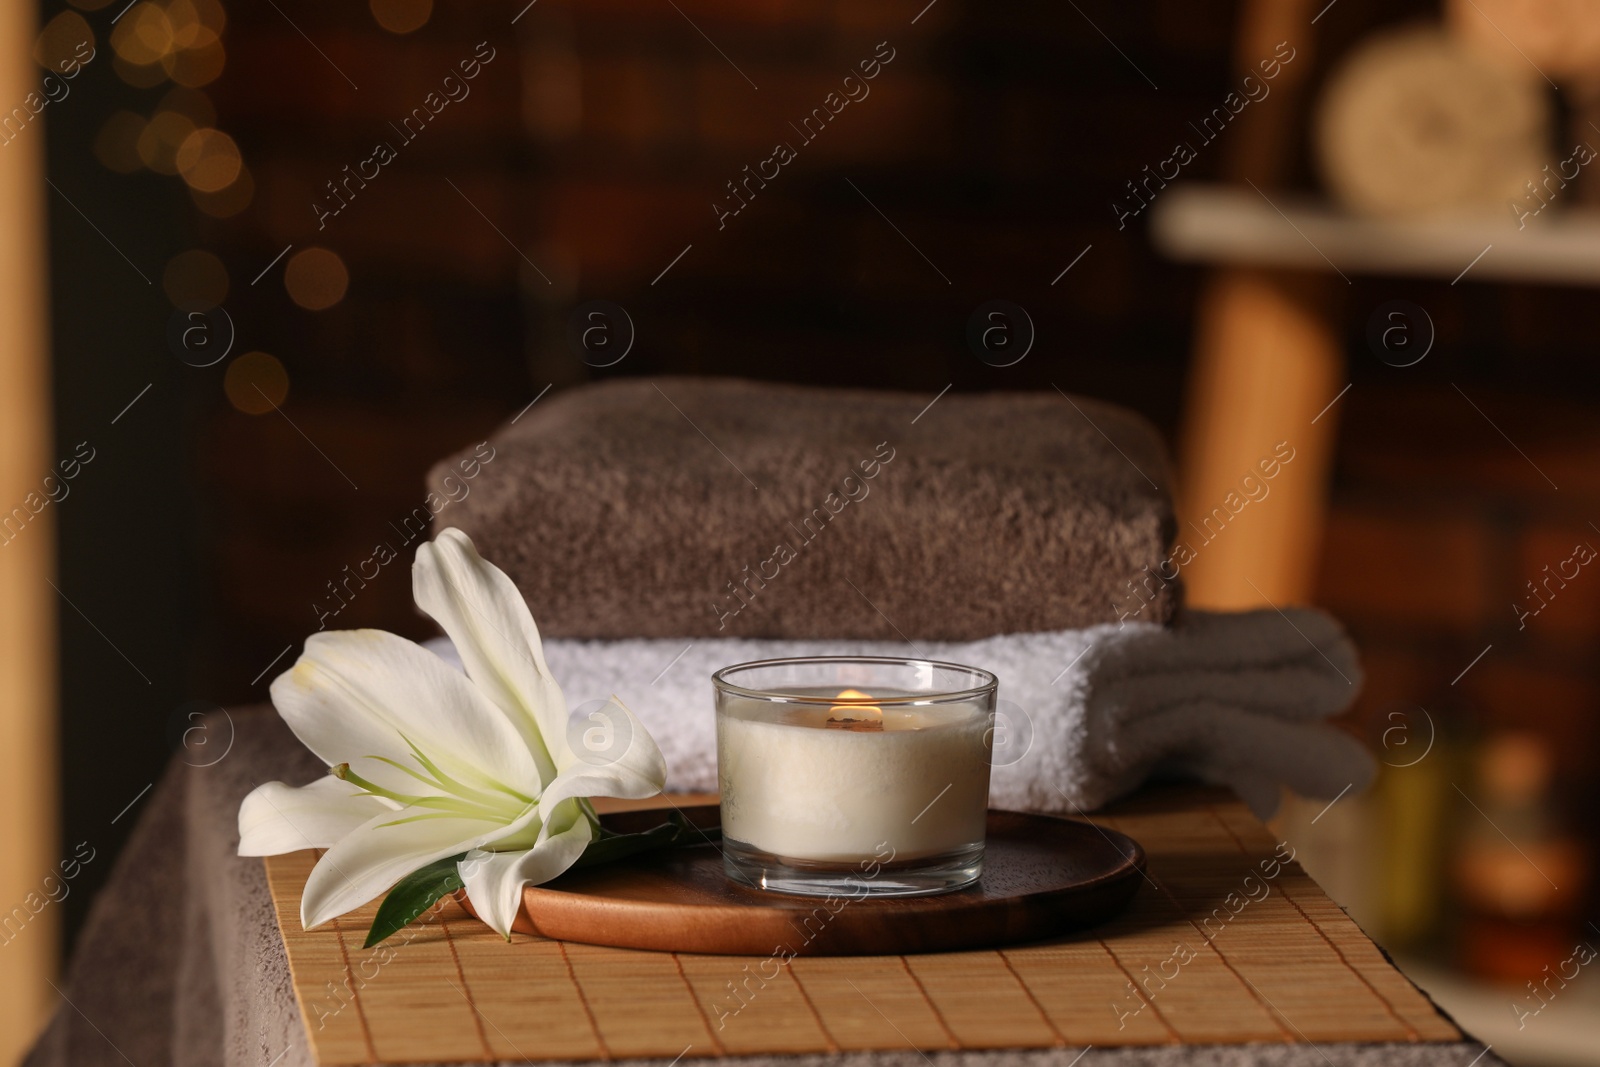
x=1211, y=951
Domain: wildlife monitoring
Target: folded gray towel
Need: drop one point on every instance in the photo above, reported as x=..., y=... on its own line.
x=711, y=507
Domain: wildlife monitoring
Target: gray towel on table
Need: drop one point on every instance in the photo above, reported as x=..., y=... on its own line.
x=714, y=507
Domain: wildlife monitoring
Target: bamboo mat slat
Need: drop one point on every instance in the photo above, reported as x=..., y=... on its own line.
x=1210, y=951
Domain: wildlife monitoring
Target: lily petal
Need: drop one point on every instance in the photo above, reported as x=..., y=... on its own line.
x=488, y=620
x=639, y=771
x=363, y=693
x=494, y=880
x=370, y=859
x=277, y=818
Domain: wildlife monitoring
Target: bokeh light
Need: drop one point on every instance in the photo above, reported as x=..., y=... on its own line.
x=143, y=35
x=195, y=280
x=228, y=202
x=195, y=67
x=62, y=40
x=136, y=75
x=401, y=16
x=208, y=160
x=316, y=278
x=213, y=16
x=196, y=23
x=117, y=143
x=161, y=138
x=256, y=383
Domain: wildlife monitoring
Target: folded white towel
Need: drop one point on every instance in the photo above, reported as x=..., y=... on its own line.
x=1231, y=699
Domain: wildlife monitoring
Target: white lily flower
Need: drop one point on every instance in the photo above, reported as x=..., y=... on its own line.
x=426, y=762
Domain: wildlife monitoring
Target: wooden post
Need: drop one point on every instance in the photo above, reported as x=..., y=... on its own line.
x=1266, y=362
x=28, y=760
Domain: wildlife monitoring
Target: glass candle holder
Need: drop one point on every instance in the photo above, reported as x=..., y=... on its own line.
x=854, y=776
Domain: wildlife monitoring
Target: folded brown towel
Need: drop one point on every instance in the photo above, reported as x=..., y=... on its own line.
x=693, y=507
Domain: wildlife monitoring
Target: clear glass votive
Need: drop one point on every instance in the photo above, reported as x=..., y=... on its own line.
x=854, y=776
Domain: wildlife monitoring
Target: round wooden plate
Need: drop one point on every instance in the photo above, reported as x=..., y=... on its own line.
x=1041, y=876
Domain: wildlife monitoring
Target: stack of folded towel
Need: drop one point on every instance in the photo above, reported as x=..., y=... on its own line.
x=714, y=508
x=662, y=529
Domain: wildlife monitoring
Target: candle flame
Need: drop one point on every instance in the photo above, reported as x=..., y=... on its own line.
x=856, y=714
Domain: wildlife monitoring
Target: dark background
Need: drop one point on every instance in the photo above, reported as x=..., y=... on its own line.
x=596, y=142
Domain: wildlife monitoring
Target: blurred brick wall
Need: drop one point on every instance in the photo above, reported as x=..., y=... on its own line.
x=1441, y=517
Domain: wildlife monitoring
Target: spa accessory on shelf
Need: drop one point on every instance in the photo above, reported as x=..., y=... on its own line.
x=983, y=514
x=442, y=781
x=853, y=775
x=1413, y=124
x=1087, y=715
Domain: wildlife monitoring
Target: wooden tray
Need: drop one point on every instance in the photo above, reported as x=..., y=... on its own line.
x=1042, y=876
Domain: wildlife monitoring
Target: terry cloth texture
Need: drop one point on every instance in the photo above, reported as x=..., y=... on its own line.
x=180, y=962
x=1086, y=716
x=714, y=507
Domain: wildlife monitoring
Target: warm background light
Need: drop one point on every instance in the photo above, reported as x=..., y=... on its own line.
x=229, y=201
x=161, y=138
x=316, y=278
x=143, y=35
x=138, y=75
x=180, y=40
x=62, y=39
x=208, y=160
x=256, y=383
x=196, y=23
x=401, y=16
x=197, y=66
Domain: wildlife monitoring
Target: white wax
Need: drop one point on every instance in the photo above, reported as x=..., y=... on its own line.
x=920, y=786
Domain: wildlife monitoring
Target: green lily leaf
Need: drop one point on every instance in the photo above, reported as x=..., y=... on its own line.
x=611, y=846
x=412, y=896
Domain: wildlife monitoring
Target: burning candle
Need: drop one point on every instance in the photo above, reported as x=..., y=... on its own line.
x=854, y=775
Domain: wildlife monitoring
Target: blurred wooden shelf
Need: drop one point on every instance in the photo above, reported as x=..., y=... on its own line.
x=1238, y=225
